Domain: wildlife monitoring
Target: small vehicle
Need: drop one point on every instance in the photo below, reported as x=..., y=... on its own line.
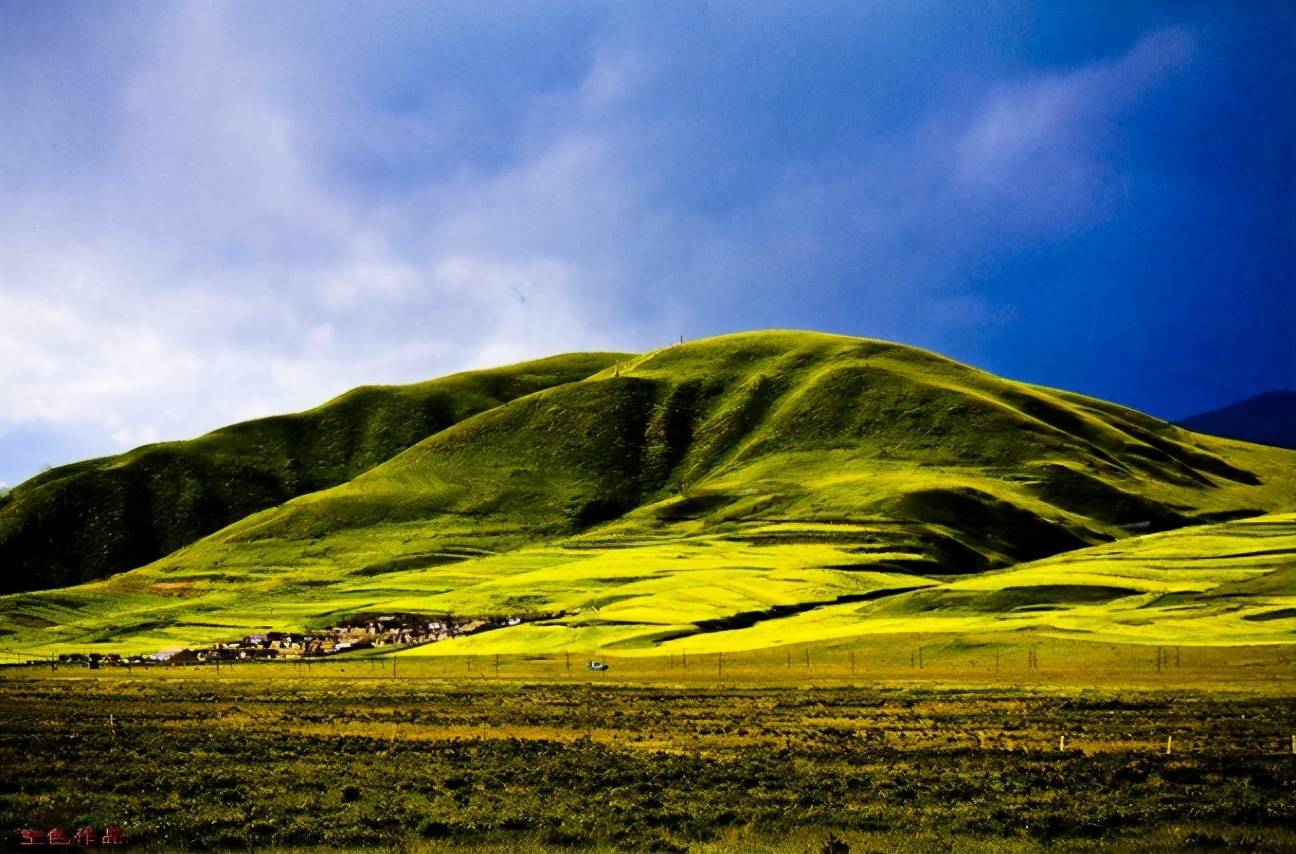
x=596, y=666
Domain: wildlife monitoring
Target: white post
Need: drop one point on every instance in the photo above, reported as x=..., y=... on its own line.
x=1169, y=744
x=1061, y=742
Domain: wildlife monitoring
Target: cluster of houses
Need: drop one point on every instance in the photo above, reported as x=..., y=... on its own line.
x=356, y=634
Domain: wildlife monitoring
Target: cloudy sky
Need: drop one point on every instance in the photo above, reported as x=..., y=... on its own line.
x=214, y=211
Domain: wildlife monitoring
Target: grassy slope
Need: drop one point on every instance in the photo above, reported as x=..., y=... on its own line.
x=719, y=480
x=91, y=519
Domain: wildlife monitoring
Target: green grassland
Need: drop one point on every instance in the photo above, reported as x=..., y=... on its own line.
x=88, y=520
x=746, y=492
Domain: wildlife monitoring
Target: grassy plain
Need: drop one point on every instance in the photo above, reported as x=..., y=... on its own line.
x=750, y=752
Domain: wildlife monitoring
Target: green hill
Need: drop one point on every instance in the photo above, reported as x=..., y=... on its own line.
x=686, y=496
x=91, y=519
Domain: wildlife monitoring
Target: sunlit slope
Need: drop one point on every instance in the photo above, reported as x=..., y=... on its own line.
x=1223, y=584
x=91, y=519
x=686, y=492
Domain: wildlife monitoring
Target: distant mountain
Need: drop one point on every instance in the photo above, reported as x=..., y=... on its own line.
x=1269, y=419
x=91, y=519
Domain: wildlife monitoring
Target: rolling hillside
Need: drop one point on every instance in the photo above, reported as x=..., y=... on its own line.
x=88, y=520
x=753, y=481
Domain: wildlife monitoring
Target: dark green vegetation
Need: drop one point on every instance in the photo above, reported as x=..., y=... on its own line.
x=196, y=763
x=91, y=519
x=1268, y=418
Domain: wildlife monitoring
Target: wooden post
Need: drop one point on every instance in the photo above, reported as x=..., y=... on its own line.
x=920, y=658
x=789, y=659
x=807, y=658
x=684, y=659
x=719, y=665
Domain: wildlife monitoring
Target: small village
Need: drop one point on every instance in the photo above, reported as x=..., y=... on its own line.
x=364, y=632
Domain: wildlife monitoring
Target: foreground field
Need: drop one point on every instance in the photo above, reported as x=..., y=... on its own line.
x=748, y=752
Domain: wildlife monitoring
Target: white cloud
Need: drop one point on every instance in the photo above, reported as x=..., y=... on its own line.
x=211, y=268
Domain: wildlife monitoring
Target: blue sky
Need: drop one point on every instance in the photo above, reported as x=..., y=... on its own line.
x=214, y=211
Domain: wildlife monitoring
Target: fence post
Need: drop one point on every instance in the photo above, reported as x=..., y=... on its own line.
x=1169, y=744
